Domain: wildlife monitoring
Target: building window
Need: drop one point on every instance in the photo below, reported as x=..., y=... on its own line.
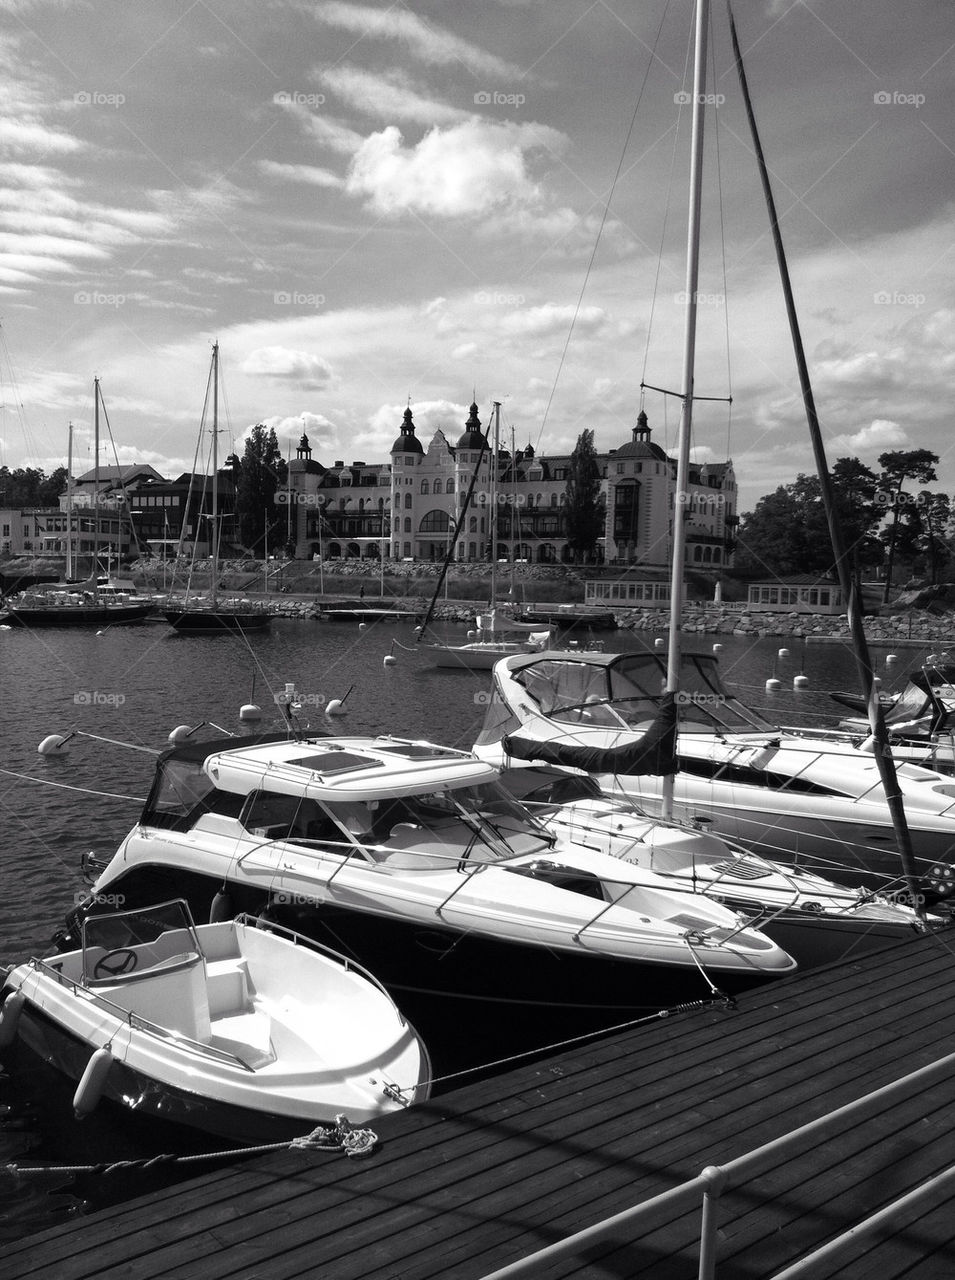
x=437, y=486
x=407, y=502
x=424, y=486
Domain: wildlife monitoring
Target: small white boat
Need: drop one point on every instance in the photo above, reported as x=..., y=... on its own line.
x=242, y=1029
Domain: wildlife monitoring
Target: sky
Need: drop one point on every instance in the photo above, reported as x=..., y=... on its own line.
x=371, y=205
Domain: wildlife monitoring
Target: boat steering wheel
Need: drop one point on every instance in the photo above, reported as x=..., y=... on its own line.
x=116, y=963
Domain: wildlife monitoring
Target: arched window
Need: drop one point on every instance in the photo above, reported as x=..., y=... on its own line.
x=554, y=499
x=424, y=486
x=450, y=485
x=436, y=521
x=407, y=524
x=437, y=486
x=472, y=525
x=407, y=502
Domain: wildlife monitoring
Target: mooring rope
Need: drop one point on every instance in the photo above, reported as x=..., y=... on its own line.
x=337, y=1137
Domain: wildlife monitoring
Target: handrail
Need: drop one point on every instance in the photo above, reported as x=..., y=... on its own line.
x=714, y=1179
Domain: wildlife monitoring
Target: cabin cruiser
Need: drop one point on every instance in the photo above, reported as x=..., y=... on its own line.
x=816, y=920
x=414, y=859
x=792, y=794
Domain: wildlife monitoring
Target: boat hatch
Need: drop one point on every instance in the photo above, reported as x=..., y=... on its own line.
x=335, y=761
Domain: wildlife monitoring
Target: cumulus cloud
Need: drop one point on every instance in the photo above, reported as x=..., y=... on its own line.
x=539, y=321
x=877, y=437
x=464, y=171
x=284, y=365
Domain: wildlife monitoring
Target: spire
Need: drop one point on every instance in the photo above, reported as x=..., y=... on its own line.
x=407, y=442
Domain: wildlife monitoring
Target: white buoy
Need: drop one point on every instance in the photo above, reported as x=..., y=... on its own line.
x=659, y=643
x=418, y=630
x=774, y=683
x=180, y=733
x=10, y=1018
x=800, y=682
x=362, y=626
x=717, y=648
x=389, y=658
x=250, y=711
x=876, y=680
x=890, y=658
x=471, y=634
x=783, y=653
x=52, y=744
x=335, y=708
x=92, y=1083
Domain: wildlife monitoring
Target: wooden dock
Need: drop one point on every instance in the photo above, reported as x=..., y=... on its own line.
x=480, y=1177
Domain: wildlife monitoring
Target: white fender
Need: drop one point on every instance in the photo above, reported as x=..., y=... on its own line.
x=92, y=1083
x=10, y=1018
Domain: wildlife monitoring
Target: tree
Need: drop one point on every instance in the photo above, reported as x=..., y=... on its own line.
x=261, y=471
x=584, y=507
x=788, y=531
x=899, y=465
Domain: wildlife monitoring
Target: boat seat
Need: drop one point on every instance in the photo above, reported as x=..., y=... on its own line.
x=227, y=985
x=246, y=1035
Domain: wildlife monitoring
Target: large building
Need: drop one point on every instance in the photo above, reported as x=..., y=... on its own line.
x=408, y=509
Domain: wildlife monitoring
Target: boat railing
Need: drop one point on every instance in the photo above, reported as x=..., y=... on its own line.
x=301, y=939
x=137, y=1020
x=725, y=935
x=715, y=1180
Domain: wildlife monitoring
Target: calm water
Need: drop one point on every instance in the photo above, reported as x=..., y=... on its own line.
x=133, y=686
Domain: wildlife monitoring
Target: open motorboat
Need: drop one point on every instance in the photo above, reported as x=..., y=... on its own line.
x=242, y=1030
x=920, y=718
x=814, y=919
x=413, y=858
x=789, y=793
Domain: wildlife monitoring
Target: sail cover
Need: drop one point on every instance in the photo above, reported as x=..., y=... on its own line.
x=653, y=752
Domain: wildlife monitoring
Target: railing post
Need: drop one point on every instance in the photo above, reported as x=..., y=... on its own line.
x=714, y=1180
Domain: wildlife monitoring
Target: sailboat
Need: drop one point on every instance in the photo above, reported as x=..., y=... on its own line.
x=92, y=602
x=817, y=800
x=494, y=641
x=212, y=615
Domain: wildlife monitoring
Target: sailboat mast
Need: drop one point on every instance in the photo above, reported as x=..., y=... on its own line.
x=215, y=470
x=95, y=572
x=847, y=579
x=681, y=505
x=69, y=504
x=495, y=456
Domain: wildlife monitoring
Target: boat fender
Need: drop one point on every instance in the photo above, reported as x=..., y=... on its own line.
x=335, y=708
x=92, y=1083
x=222, y=907
x=52, y=743
x=10, y=1018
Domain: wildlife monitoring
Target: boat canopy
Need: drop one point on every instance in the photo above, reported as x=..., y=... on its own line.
x=654, y=752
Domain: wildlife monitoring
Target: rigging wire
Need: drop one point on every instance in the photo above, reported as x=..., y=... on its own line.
x=603, y=221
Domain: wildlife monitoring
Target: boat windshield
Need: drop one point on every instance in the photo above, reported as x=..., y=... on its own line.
x=137, y=939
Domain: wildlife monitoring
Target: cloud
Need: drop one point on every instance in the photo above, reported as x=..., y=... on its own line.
x=461, y=172
x=425, y=40
x=389, y=96
x=307, y=173
x=879, y=435
x=315, y=425
x=284, y=365
x=538, y=321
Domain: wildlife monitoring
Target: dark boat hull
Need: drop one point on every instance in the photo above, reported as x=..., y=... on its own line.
x=194, y=622
x=64, y=616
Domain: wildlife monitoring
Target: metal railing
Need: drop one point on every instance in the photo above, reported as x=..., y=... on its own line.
x=712, y=1181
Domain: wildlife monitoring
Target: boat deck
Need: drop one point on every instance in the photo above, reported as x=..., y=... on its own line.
x=490, y=1172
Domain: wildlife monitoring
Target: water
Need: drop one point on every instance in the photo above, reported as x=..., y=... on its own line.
x=133, y=685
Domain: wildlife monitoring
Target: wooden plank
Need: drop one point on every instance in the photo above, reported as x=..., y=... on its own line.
x=502, y=1166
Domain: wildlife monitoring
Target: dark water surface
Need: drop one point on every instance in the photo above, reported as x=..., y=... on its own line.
x=133, y=685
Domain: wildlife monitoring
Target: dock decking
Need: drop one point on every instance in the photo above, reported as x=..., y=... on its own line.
x=482, y=1176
